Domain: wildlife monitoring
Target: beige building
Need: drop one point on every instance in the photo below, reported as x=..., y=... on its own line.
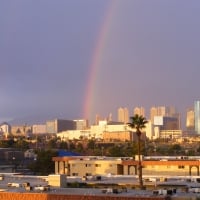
x=87, y=166
x=21, y=130
x=81, y=124
x=123, y=115
x=139, y=110
x=106, y=132
x=190, y=119
x=5, y=129
x=91, y=166
x=171, y=134
x=167, y=111
x=121, y=136
x=39, y=129
x=74, y=134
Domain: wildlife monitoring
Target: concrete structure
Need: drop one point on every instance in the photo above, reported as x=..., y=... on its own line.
x=170, y=134
x=39, y=129
x=21, y=130
x=58, y=125
x=123, y=115
x=5, y=129
x=87, y=166
x=168, y=111
x=121, y=136
x=197, y=116
x=81, y=124
x=166, y=123
x=149, y=130
x=106, y=132
x=190, y=119
x=74, y=134
x=139, y=110
x=57, y=180
x=166, y=127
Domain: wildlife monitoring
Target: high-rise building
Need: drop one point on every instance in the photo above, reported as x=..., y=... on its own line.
x=97, y=119
x=123, y=115
x=190, y=119
x=59, y=125
x=81, y=124
x=197, y=116
x=153, y=113
x=139, y=111
x=167, y=111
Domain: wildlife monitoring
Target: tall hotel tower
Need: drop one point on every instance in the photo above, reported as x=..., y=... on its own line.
x=139, y=111
x=190, y=119
x=162, y=111
x=197, y=116
x=123, y=115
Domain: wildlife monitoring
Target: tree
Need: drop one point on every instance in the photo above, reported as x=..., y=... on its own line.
x=44, y=164
x=138, y=123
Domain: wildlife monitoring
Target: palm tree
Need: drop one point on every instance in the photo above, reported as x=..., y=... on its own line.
x=138, y=123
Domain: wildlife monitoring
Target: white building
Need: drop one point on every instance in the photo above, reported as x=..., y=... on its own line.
x=74, y=134
x=39, y=128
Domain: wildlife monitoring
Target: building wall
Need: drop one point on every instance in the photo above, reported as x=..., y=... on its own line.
x=93, y=167
x=59, y=125
x=171, y=134
x=166, y=170
x=139, y=111
x=197, y=116
x=81, y=124
x=74, y=134
x=5, y=128
x=90, y=166
x=21, y=130
x=190, y=119
x=168, y=111
x=117, y=136
x=39, y=128
x=123, y=115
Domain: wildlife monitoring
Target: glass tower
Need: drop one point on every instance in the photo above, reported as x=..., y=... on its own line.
x=197, y=116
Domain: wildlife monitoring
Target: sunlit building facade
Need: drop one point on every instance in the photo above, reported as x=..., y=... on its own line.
x=190, y=119
x=197, y=116
x=165, y=111
x=139, y=111
x=123, y=115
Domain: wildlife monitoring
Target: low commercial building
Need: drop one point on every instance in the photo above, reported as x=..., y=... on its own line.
x=87, y=166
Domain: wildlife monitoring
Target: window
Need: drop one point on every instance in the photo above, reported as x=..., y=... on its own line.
x=74, y=174
x=97, y=165
x=181, y=167
x=88, y=165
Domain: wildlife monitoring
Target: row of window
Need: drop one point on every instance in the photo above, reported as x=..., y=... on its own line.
x=90, y=165
x=179, y=167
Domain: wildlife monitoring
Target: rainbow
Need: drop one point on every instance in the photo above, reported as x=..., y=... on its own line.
x=96, y=60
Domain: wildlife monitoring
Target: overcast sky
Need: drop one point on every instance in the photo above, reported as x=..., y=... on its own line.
x=149, y=56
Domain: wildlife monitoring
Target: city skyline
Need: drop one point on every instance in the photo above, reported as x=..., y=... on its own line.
x=74, y=59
